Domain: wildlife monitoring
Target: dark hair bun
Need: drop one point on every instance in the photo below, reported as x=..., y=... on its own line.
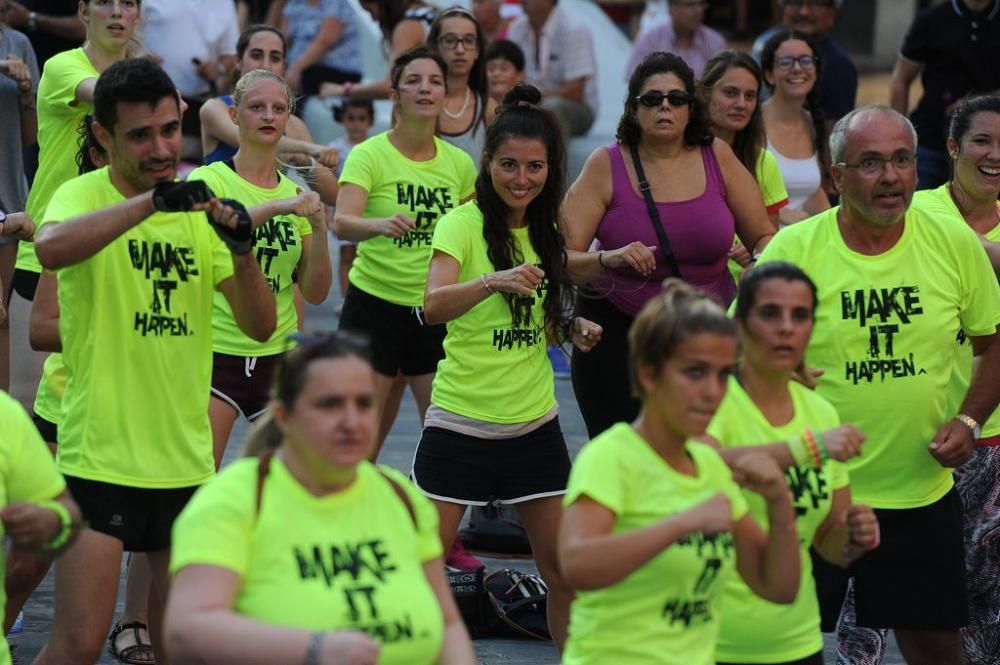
x=522, y=93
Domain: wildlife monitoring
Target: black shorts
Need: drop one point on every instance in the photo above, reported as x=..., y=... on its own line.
x=815, y=659
x=401, y=341
x=914, y=580
x=458, y=468
x=139, y=517
x=244, y=382
x=25, y=283
x=48, y=429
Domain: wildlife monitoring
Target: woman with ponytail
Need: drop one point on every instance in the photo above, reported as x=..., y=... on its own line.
x=794, y=123
x=498, y=279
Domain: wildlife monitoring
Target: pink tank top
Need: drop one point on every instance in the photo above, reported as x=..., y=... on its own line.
x=700, y=231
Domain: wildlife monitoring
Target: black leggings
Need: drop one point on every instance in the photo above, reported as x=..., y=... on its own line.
x=601, y=377
x=815, y=659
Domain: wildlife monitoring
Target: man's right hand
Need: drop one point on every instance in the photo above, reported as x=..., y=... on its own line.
x=182, y=196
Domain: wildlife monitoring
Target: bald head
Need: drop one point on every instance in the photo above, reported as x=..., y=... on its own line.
x=845, y=129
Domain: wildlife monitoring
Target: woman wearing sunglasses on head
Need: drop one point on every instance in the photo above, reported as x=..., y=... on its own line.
x=793, y=120
x=308, y=553
x=682, y=225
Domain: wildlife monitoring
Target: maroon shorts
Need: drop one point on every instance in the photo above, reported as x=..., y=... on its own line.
x=244, y=382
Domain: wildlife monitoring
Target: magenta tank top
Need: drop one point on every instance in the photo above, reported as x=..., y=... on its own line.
x=700, y=231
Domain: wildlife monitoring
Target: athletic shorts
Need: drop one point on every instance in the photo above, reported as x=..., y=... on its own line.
x=459, y=468
x=401, y=342
x=25, y=283
x=815, y=659
x=139, y=517
x=914, y=580
x=48, y=429
x=244, y=382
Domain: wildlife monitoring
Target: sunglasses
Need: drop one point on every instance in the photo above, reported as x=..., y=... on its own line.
x=654, y=98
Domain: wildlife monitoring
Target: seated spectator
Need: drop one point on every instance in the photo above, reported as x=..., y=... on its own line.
x=487, y=13
x=55, y=29
x=685, y=34
x=560, y=62
x=839, y=88
x=323, y=43
x=504, y=67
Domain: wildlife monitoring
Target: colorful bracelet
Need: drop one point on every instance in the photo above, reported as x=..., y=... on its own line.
x=813, y=447
x=486, y=285
x=824, y=456
x=797, y=447
x=65, y=520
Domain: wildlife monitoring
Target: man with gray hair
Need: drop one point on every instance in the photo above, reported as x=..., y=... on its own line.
x=895, y=287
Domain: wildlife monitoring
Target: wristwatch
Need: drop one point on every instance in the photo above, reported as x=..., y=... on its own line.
x=971, y=423
x=3, y=218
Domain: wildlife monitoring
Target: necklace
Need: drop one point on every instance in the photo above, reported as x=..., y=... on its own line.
x=461, y=111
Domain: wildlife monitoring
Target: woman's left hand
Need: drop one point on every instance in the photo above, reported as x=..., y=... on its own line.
x=30, y=526
x=309, y=205
x=18, y=225
x=862, y=529
x=740, y=254
x=585, y=334
x=759, y=473
x=327, y=156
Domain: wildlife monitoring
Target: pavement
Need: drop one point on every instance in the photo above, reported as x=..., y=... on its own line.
x=398, y=452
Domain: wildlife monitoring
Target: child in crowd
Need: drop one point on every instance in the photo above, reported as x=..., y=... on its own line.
x=357, y=117
x=504, y=67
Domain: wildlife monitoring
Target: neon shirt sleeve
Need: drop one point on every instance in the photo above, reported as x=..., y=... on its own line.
x=772, y=186
x=29, y=472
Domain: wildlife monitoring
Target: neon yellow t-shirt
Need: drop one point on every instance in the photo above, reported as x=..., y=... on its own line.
x=27, y=472
x=136, y=328
x=491, y=371
x=885, y=334
x=792, y=630
x=772, y=188
x=939, y=201
x=667, y=612
x=60, y=117
x=351, y=560
x=278, y=244
x=51, y=387
x=395, y=269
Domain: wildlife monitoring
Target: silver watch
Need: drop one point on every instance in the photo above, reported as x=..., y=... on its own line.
x=971, y=423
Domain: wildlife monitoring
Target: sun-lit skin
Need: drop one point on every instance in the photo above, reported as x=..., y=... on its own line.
x=665, y=121
x=778, y=326
x=110, y=23
x=732, y=102
x=421, y=89
x=976, y=160
x=684, y=393
x=459, y=59
x=879, y=200
x=330, y=428
x=519, y=170
x=796, y=81
x=145, y=145
x=263, y=113
x=264, y=51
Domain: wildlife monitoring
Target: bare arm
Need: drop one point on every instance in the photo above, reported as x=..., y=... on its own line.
x=215, y=119
x=85, y=90
x=446, y=299
x=67, y=27
x=406, y=35
x=592, y=557
x=753, y=226
x=323, y=177
x=456, y=649
x=350, y=224
x=583, y=207
x=200, y=625
x=904, y=72
x=250, y=298
x=43, y=328
x=329, y=32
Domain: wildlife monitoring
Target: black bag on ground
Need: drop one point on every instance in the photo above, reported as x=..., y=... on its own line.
x=470, y=595
x=519, y=600
x=496, y=530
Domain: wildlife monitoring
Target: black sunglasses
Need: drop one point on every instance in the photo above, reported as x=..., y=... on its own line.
x=654, y=98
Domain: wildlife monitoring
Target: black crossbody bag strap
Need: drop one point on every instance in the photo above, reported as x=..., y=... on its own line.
x=654, y=214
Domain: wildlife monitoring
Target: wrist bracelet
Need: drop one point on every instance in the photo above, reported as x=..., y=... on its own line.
x=312, y=652
x=600, y=259
x=812, y=446
x=797, y=447
x=486, y=285
x=65, y=520
x=823, y=454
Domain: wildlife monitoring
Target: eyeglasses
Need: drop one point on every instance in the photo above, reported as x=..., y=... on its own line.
x=451, y=42
x=901, y=161
x=805, y=61
x=654, y=98
x=796, y=4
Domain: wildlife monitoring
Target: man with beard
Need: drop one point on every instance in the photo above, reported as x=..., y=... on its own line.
x=138, y=264
x=838, y=88
x=896, y=285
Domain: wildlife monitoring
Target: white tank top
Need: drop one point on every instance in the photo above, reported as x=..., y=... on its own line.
x=802, y=177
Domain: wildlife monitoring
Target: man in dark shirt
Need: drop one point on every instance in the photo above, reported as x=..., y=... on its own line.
x=955, y=48
x=51, y=25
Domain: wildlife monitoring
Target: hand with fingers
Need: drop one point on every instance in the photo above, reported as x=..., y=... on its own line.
x=635, y=256
x=17, y=70
x=585, y=334
x=231, y=221
x=844, y=442
x=326, y=156
x=714, y=515
x=309, y=205
x=522, y=279
x=396, y=226
x=862, y=529
x=182, y=196
x=953, y=444
x=808, y=376
x=17, y=225
x=740, y=254
x=30, y=526
x=349, y=647
x=758, y=472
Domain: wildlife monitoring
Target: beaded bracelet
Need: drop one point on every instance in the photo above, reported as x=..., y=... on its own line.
x=813, y=446
x=65, y=521
x=823, y=454
x=797, y=447
x=486, y=285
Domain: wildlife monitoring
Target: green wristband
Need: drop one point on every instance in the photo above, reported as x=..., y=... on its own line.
x=797, y=447
x=65, y=520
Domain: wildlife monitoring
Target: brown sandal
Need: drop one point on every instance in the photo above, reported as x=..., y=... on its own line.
x=129, y=653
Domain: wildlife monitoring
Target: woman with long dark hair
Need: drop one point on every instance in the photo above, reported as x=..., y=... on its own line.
x=498, y=279
x=700, y=196
x=794, y=122
x=468, y=109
